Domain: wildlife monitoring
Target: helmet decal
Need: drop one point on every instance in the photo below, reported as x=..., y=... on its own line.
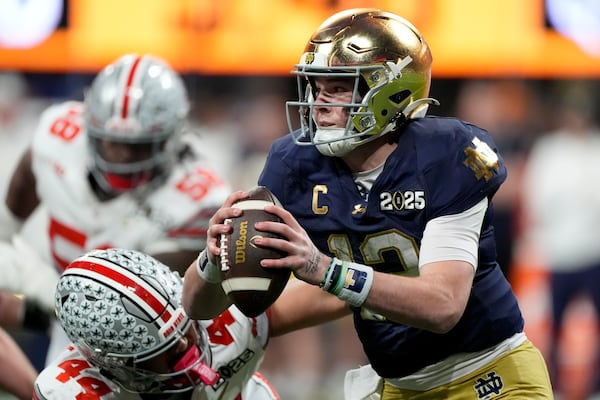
x=143, y=295
x=128, y=88
x=121, y=308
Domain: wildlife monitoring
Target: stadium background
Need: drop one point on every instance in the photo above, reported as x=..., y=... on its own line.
x=236, y=56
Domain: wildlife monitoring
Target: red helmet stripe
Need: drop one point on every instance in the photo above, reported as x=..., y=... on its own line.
x=132, y=71
x=132, y=286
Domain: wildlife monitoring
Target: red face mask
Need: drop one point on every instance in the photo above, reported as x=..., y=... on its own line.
x=123, y=182
x=196, y=371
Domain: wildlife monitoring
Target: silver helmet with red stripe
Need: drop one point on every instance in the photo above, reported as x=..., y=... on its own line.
x=121, y=309
x=134, y=111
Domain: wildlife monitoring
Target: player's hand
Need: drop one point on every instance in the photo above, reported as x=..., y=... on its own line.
x=216, y=225
x=303, y=257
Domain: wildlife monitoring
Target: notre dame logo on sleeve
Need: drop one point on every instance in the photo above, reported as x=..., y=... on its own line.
x=481, y=159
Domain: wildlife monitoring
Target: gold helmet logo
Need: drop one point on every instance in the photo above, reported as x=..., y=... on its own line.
x=310, y=58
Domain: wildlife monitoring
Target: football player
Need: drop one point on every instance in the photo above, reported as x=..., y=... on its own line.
x=131, y=339
x=386, y=215
x=117, y=170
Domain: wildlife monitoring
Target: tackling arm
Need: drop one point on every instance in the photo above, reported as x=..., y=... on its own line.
x=434, y=300
x=202, y=299
x=17, y=375
x=17, y=311
x=21, y=198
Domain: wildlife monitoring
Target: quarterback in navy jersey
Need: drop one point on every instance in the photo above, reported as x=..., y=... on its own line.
x=386, y=214
x=385, y=229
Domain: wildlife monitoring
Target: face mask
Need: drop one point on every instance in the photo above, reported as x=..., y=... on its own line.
x=194, y=370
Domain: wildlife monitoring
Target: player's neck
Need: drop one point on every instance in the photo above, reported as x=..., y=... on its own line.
x=370, y=155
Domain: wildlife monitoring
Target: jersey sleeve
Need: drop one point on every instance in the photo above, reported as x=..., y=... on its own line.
x=460, y=165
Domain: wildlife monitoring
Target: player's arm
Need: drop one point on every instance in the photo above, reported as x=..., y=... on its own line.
x=20, y=312
x=301, y=306
x=202, y=299
x=17, y=374
x=21, y=198
x=203, y=295
x=435, y=300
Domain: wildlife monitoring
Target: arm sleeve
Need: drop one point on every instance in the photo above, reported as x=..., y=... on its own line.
x=454, y=237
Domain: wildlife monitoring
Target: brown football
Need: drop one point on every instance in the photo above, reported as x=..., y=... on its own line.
x=251, y=287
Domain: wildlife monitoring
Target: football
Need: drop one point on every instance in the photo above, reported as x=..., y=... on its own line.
x=251, y=287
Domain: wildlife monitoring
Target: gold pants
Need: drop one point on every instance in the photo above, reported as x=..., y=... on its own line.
x=519, y=374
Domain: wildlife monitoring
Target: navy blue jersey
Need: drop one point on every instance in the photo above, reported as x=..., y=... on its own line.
x=442, y=166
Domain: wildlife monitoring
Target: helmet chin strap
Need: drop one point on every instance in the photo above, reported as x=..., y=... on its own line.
x=334, y=149
x=418, y=108
x=331, y=142
x=197, y=370
x=335, y=145
x=340, y=148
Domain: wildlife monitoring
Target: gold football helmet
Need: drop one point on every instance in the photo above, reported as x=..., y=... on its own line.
x=390, y=63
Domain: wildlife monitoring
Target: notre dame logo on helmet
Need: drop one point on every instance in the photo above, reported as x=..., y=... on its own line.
x=310, y=58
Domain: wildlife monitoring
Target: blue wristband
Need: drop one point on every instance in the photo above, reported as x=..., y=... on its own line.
x=349, y=281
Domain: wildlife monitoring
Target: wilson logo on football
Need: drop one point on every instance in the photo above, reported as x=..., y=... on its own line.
x=240, y=244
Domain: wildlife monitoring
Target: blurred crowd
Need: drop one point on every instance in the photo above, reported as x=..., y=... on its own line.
x=547, y=214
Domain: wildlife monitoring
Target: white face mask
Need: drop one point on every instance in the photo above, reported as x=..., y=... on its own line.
x=328, y=142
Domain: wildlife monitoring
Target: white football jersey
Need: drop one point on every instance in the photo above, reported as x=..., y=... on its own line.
x=170, y=217
x=237, y=348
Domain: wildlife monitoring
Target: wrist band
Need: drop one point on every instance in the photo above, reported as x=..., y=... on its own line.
x=207, y=270
x=328, y=278
x=349, y=281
